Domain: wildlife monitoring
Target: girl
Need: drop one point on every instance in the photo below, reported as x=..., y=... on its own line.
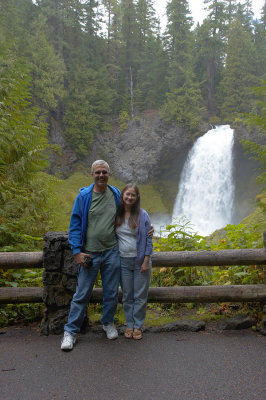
x=135, y=247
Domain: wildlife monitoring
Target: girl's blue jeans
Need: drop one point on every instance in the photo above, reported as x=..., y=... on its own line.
x=108, y=263
x=135, y=287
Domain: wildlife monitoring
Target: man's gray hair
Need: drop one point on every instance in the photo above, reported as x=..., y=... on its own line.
x=99, y=162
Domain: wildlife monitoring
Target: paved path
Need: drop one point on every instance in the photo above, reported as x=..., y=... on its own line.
x=228, y=365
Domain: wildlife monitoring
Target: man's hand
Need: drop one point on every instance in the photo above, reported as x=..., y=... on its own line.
x=151, y=231
x=81, y=257
x=145, y=265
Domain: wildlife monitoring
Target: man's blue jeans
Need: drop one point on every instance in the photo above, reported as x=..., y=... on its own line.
x=135, y=287
x=108, y=262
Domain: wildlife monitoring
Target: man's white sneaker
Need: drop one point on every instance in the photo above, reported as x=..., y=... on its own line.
x=68, y=341
x=111, y=331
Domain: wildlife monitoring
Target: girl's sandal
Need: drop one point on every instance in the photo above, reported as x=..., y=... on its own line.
x=128, y=333
x=137, y=334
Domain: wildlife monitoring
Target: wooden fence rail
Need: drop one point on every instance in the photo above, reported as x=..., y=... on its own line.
x=175, y=294
x=15, y=295
x=19, y=260
x=166, y=259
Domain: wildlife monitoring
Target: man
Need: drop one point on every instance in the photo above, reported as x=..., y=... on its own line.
x=92, y=238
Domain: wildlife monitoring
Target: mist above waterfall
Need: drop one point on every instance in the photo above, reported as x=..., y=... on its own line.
x=206, y=190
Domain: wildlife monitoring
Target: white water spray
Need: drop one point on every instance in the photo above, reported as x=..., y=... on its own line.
x=206, y=189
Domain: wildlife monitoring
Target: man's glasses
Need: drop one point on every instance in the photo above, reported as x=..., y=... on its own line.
x=104, y=172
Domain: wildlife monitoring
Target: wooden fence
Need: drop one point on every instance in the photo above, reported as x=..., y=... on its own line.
x=241, y=293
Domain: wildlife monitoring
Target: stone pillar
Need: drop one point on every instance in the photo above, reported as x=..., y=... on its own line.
x=59, y=280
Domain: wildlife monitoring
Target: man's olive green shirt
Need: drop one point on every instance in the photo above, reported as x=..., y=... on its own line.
x=101, y=219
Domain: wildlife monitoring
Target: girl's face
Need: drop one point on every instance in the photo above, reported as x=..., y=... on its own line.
x=129, y=197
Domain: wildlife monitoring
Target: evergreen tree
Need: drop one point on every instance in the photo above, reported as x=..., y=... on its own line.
x=184, y=102
x=113, y=26
x=128, y=52
x=54, y=11
x=213, y=46
x=204, y=62
x=88, y=98
x=113, y=44
x=240, y=73
x=92, y=17
x=150, y=84
x=146, y=21
x=244, y=14
x=23, y=192
x=47, y=68
x=257, y=118
x=178, y=40
x=129, y=31
x=89, y=101
x=16, y=16
x=230, y=9
x=260, y=43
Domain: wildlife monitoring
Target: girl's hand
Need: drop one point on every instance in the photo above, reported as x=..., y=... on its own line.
x=145, y=265
x=151, y=231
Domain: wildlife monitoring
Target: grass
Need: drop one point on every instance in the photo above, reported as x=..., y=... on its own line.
x=258, y=216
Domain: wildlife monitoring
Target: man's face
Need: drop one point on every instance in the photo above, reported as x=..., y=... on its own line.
x=100, y=175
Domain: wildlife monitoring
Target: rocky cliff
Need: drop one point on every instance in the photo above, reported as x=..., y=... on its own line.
x=143, y=152
x=140, y=153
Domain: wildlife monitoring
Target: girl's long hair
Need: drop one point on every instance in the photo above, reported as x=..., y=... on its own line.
x=135, y=209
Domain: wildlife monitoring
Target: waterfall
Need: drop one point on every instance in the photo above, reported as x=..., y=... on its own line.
x=206, y=190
